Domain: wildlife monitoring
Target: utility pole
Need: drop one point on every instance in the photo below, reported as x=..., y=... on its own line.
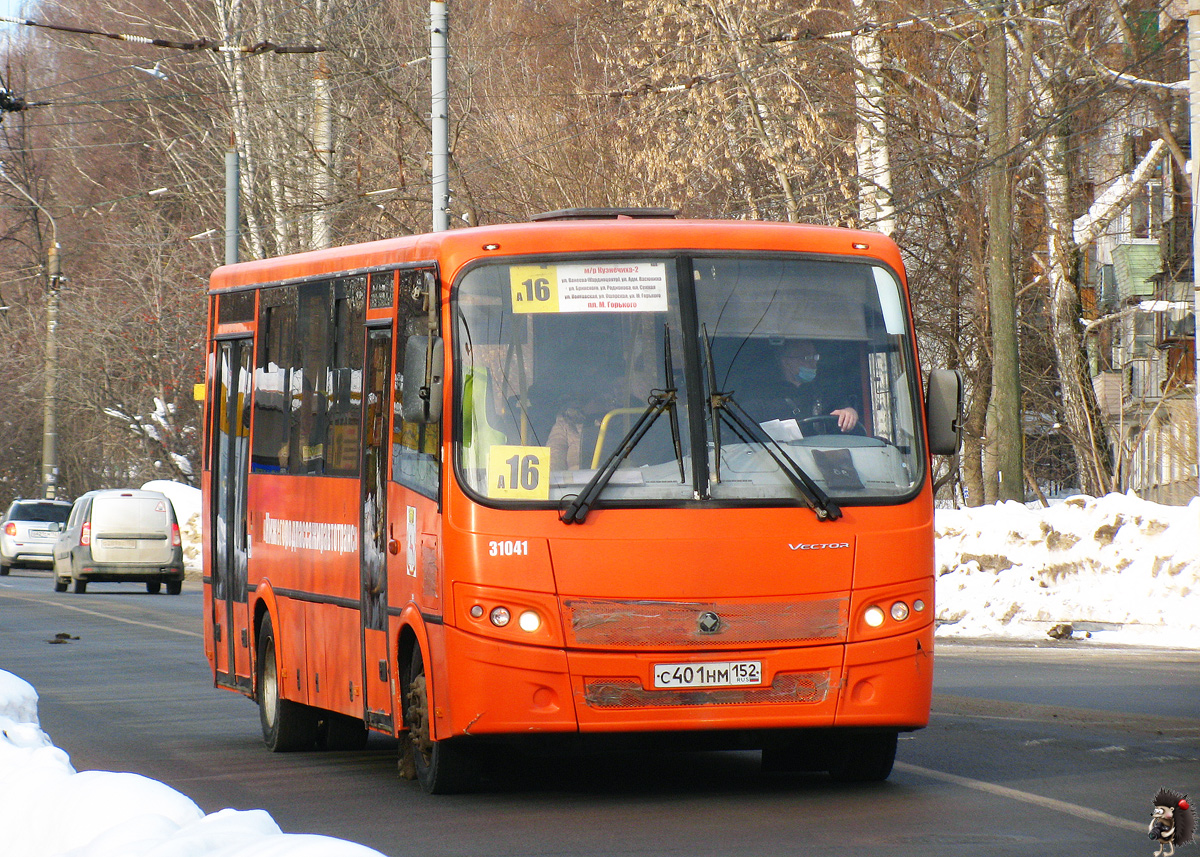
x=50, y=370
x=439, y=24
x=1004, y=407
x=1194, y=93
x=50, y=399
x=233, y=214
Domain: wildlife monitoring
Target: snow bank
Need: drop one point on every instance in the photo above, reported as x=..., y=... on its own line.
x=187, y=503
x=47, y=809
x=1114, y=568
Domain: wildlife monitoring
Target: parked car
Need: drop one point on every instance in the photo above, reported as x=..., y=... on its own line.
x=28, y=530
x=117, y=535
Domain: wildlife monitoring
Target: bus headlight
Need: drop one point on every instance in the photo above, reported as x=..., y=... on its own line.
x=899, y=611
x=874, y=616
x=527, y=618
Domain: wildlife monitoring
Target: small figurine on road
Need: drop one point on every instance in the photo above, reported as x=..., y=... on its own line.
x=1173, y=822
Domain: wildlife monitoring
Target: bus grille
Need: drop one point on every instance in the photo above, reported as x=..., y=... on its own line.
x=811, y=688
x=648, y=624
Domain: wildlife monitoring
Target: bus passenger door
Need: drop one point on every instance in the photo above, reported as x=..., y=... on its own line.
x=230, y=470
x=377, y=408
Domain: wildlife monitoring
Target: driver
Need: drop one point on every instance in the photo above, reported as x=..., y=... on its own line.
x=796, y=390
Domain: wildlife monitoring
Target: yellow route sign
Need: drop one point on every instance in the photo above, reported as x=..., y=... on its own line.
x=519, y=472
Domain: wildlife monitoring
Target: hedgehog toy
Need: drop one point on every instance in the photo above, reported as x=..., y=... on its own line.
x=1173, y=822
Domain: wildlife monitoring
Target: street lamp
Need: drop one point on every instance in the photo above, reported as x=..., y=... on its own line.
x=49, y=426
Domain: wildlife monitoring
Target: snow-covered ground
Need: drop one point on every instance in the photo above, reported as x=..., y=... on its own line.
x=48, y=809
x=1114, y=569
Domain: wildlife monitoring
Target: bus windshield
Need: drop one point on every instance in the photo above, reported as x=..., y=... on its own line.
x=794, y=375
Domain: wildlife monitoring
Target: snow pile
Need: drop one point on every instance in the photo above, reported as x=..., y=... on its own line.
x=187, y=503
x=49, y=810
x=1115, y=569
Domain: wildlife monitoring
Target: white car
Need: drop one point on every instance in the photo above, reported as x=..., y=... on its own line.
x=28, y=531
x=123, y=536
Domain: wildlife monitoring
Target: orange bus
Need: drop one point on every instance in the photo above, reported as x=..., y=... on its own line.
x=604, y=473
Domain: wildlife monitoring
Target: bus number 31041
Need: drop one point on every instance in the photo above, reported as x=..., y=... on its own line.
x=509, y=548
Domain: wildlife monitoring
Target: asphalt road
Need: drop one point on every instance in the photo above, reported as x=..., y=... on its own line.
x=1053, y=749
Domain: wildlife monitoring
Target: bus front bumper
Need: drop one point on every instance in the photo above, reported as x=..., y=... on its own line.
x=502, y=688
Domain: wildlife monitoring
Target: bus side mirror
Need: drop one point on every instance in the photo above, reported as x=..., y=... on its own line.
x=943, y=411
x=421, y=394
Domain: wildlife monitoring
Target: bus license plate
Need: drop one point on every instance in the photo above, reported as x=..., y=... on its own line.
x=728, y=674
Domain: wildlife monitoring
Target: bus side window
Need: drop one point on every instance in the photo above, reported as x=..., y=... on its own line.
x=345, y=359
x=276, y=344
x=416, y=447
x=309, y=393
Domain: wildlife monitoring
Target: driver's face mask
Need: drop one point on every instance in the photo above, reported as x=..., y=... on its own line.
x=806, y=374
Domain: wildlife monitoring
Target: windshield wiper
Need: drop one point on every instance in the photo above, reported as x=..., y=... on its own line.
x=576, y=511
x=722, y=406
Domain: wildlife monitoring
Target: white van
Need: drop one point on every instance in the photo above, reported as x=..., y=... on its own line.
x=117, y=535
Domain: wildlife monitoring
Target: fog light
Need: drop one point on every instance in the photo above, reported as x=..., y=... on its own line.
x=874, y=616
x=500, y=616
x=529, y=621
x=899, y=611
x=477, y=611
x=919, y=605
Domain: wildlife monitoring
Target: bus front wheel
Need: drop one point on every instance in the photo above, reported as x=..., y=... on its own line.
x=865, y=758
x=848, y=757
x=286, y=725
x=441, y=767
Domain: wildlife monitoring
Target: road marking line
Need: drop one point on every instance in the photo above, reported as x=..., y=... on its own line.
x=1072, y=809
x=104, y=615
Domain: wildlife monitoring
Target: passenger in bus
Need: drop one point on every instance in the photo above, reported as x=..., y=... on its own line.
x=572, y=438
x=566, y=439
x=798, y=389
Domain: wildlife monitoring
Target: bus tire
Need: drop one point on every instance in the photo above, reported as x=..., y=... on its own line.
x=864, y=758
x=286, y=725
x=442, y=767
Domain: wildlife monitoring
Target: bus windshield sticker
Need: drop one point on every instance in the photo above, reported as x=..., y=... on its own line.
x=519, y=472
x=593, y=287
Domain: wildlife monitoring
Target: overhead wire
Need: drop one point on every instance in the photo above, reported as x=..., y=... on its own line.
x=201, y=44
x=551, y=138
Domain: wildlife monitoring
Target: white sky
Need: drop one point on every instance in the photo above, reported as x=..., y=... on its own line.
x=1127, y=569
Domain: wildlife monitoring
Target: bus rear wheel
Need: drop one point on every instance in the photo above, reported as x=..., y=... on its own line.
x=286, y=725
x=441, y=767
